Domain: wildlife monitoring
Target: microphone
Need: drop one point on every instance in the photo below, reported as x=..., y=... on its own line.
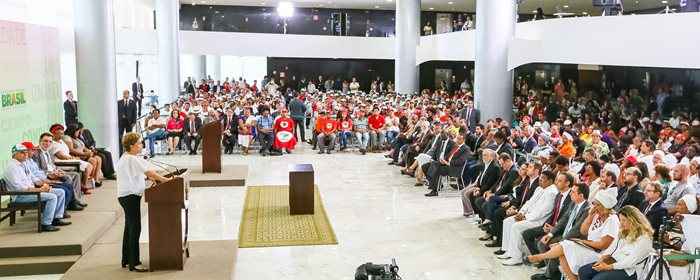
x=160, y=164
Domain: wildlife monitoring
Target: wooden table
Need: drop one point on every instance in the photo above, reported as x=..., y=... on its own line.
x=301, y=189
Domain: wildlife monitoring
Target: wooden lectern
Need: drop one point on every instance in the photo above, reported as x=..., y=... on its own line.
x=301, y=189
x=211, y=147
x=167, y=238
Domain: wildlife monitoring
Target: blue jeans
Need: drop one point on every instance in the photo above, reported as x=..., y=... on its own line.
x=67, y=190
x=363, y=138
x=391, y=136
x=344, y=136
x=152, y=137
x=53, y=209
x=377, y=138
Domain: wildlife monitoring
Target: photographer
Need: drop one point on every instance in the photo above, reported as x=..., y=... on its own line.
x=633, y=244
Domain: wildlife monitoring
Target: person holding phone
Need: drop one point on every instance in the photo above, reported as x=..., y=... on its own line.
x=132, y=171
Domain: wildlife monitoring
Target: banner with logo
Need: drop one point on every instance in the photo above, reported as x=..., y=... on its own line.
x=30, y=83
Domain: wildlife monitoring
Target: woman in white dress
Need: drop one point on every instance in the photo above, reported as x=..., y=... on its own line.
x=601, y=227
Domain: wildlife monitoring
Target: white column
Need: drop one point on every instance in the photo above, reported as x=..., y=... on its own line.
x=406, y=42
x=96, y=71
x=214, y=67
x=167, y=27
x=199, y=62
x=493, y=82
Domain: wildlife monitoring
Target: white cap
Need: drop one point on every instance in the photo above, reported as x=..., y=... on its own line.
x=607, y=198
x=612, y=168
x=567, y=122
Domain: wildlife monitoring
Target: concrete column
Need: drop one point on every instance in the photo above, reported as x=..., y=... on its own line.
x=407, y=40
x=167, y=27
x=493, y=82
x=96, y=71
x=214, y=67
x=199, y=67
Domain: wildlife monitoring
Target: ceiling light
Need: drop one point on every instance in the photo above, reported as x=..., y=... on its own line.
x=285, y=9
x=376, y=7
x=664, y=2
x=431, y=8
x=566, y=6
x=450, y=3
x=390, y=1
x=534, y=11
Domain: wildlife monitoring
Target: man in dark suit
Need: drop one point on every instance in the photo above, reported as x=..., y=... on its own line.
x=487, y=178
x=191, y=131
x=474, y=141
x=568, y=226
x=516, y=202
x=126, y=109
x=653, y=207
x=450, y=163
x=229, y=124
x=70, y=109
x=137, y=91
x=500, y=193
x=502, y=146
x=630, y=194
x=470, y=116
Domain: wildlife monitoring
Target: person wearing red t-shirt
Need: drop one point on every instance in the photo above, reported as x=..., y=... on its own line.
x=376, y=130
x=327, y=129
x=344, y=128
x=284, y=132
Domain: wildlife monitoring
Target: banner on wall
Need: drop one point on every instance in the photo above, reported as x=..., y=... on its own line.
x=30, y=83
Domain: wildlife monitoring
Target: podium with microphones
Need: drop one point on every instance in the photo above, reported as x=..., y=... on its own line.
x=167, y=204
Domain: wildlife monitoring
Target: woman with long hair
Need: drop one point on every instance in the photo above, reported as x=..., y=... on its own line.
x=601, y=227
x=77, y=148
x=633, y=244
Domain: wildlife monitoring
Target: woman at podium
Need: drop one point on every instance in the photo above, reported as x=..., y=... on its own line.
x=132, y=171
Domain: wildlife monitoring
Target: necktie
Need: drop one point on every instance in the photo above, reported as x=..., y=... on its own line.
x=648, y=208
x=572, y=217
x=452, y=154
x=527, y=188
x=469, y=113
x=442, y=153
x=555, y=214
x=192, y=126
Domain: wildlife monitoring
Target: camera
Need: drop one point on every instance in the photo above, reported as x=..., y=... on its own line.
x=370, y=271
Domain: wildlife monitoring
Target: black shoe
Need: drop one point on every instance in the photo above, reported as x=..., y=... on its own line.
x=499, y=252
x=539, y=264
x=60, y=223
x=66, y=215
x=320, y=152
x=289, y=151
x=124, y=265
x=98, y=184
x=75, y=207
x=486, y=238
x=49, y=228
x=539, y=276
x=363, y=151
x=432, y=193
x=138, y=268
x=328, y=152
x=494, y=244
x=82, y=204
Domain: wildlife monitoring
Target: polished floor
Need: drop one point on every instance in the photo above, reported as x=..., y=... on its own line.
x=376, y=213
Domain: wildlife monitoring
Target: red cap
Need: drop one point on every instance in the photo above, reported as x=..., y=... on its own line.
x=29, y=145
x=631, y=159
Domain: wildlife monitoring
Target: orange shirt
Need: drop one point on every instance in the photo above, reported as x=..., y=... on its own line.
x=319, y=123
x=328, y=126
x=567, y=150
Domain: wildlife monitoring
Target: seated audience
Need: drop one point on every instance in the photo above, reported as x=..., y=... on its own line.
x=191, y=133
x=155, y=130
x=18, y=180
x=174, y=127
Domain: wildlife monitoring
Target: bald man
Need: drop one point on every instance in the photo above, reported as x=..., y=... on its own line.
x=678, y=188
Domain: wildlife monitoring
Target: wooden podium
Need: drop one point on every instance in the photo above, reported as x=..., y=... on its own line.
x=167, y=238
x=301, y=189
x=211, y=147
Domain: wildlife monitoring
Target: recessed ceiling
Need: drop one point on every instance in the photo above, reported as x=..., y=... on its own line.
x=549, y=6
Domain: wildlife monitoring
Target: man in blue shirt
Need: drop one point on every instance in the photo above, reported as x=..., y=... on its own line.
x=39, y=178
x=265, y=130
x=18, y=179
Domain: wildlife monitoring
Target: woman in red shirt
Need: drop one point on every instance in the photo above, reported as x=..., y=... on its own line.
x=174, y=127
x=345, y=128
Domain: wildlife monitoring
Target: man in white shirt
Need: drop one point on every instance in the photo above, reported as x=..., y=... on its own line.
x=18, y=179
x=155, y=130
x=533, y=214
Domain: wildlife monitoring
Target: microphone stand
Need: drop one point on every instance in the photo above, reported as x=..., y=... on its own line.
x=160, y=164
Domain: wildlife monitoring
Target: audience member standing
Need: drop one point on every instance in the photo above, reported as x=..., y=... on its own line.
x=297, y=109
x=127, y=116
x=137, y=90
x=70, y=109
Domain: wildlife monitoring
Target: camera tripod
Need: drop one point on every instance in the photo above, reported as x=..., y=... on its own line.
x=660, y=265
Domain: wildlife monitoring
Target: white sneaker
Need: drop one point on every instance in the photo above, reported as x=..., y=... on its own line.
x=512, y=262
x=503, y=257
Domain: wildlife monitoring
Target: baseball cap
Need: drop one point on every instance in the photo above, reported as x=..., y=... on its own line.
x=29, y=145
x=18, y=148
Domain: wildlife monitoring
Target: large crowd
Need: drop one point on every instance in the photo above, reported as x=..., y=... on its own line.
x=581, y=185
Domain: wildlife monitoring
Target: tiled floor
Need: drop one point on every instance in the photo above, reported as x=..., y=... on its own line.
x=376, y=213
